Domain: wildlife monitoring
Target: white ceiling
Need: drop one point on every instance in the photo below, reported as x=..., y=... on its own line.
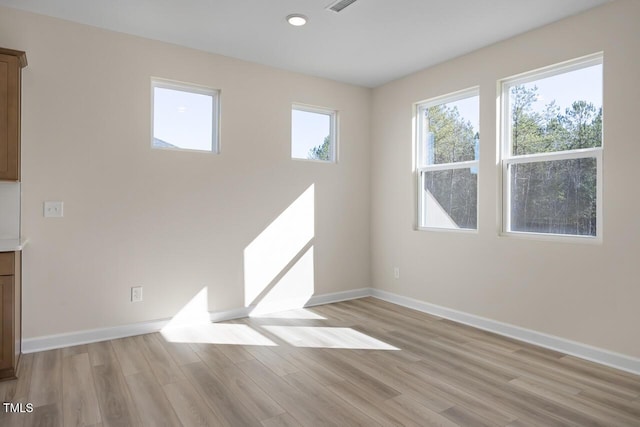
x=369, y=43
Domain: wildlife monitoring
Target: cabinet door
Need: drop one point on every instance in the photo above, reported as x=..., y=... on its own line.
x=6, y=322
x=9, y=118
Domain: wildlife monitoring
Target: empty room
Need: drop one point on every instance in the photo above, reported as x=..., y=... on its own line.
x=319, y=213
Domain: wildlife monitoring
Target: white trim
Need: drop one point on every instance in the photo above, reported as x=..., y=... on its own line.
x=573, y=348
x=583, y=351
x=582, y=153
x=339, y=296
x=221, y=316
x=556, y=69
x=419, y=131
x=507, y=158
x=50, y=342
x=448, y=230
x=552, y=237
x=468, y=164
x=450, y=97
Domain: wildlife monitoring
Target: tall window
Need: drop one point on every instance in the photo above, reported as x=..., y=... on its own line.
x=313, y=133
x=552, y=150
x=185, y=117
x=447, y=145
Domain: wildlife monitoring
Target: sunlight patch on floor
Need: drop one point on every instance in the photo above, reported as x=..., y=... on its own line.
x=300, y=313
x=327, y=337
x=217, y=333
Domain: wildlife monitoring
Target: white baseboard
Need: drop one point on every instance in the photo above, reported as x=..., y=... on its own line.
x=50, y=342
x=339, y=296
x=583, y=351
x=221, y=316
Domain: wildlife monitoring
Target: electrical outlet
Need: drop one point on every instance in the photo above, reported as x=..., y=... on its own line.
x=396, y=272
x=136, y=294
x=53, y=209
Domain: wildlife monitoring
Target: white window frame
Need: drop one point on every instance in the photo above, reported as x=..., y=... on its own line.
x=333, y=131
x=189, y=88
x=507, y=158
x=420, y=169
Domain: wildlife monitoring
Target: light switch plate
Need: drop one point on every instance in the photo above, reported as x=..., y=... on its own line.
x=53, y=209
x=136, y=294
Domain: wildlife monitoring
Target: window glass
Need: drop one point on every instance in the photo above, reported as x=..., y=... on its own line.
x=450, y=198
x=448, y=138
x=552, y=149
x=313, y=134
x=184, y=117
x=557, y=113
x=557, y=196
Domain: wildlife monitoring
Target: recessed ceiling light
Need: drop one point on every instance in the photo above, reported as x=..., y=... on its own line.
x=297, y=20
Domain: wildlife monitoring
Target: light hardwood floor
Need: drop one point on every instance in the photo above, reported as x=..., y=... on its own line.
x=363, y=362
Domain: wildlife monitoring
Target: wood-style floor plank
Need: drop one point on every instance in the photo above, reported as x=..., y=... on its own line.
x=150, y=401
x=130, y=356
x=303, y=404
x=368, y=363
x=181, y=353
x=114, y=398
x=334, y=361
x=162, y=364
x=241, y=387
x=190, y=406
x=277, y=363
x=282, y=420
x=222, y=402
x=48, y=415
x=315, y=370
x=46, y=379
x=80, y=404
x=334, y=410
x=597, y=411
x=17, y=391
x=418, y=413
x=383, y=412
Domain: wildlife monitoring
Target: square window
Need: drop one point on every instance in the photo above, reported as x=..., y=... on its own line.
x=552, y=150
x=185, y=117
x=313, y=134
x=447, y=152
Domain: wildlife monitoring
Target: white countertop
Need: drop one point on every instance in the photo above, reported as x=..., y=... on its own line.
x=10, y=245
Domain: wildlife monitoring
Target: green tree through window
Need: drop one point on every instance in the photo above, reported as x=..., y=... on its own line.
x=552, y=149
x=321, y=152
x=553, y=196
x=447, y=149
x=454, y=140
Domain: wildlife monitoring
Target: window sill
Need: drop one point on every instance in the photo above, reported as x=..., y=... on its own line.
x=561, y=238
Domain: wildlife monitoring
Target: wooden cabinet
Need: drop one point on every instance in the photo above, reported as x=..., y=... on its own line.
x=10, y=324
x=11, y=64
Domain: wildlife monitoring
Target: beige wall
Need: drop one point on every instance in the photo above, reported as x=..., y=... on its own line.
x=583, y=292
x=173, y=222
